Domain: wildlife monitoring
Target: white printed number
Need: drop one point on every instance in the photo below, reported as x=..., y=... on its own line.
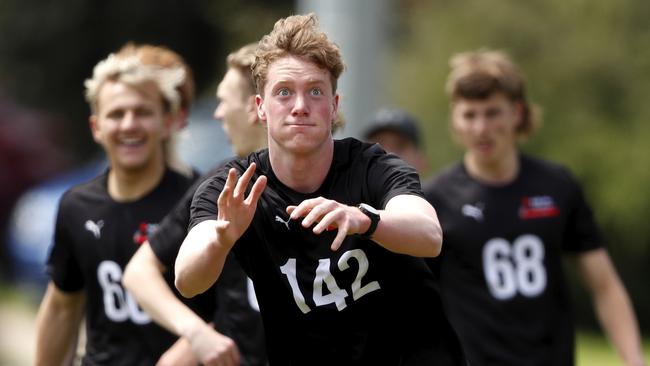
x=325, y=278
x=514, y=268
x=119, y=305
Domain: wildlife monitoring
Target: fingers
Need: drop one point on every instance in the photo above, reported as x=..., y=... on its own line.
x=226, y=194
x=304, y=208
x=338, y=240
x=256, y=191
x=290, y=209
x=327, y=214
x=242, y=183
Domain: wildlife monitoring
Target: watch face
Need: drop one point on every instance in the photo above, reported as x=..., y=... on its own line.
x=371, y=210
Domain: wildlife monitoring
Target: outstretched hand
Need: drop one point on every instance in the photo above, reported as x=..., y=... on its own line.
x=236, y=211
x=330, y=215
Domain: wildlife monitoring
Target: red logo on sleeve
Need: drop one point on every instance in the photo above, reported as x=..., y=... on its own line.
x=537, y=207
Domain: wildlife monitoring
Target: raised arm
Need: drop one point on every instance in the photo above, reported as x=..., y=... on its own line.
x=408, y=224
x=612, y=304
x=204, y=250
x=57, y=326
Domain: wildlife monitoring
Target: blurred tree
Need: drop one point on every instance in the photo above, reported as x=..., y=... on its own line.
x=587, y=65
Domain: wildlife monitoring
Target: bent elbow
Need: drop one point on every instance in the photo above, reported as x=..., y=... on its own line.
x=436, y=241
x=128, y=277
x=183, y=288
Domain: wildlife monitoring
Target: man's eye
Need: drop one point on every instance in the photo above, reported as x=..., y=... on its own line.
x=144, y=112
x=117, y=114
x=283, y=92
x=469, y=115
x=316, y=91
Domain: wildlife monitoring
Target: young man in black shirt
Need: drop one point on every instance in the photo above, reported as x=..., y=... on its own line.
x=101, y=223
x=507, y=220
x=329, y=231
x=237, y=315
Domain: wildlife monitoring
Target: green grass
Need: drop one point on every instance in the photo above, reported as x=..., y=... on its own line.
x=593, y=349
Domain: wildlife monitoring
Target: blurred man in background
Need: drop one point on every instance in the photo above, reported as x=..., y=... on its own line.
x=237, y=314
x=507, y=220
x=101, y=223
x=398, y=133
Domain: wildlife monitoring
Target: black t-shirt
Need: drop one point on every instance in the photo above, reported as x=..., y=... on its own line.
x=235, y=312
x=94, y=239
x=359, y=305
x=500, y=271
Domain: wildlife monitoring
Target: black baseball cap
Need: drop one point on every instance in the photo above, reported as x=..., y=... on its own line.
x=395, y=120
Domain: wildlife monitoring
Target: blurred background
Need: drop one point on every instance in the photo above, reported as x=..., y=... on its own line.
x=587, y=64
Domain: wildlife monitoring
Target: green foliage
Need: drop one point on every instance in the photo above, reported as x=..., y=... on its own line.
x=587, y=66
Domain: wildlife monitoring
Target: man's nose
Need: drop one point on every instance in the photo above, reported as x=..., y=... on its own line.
x=300, y=106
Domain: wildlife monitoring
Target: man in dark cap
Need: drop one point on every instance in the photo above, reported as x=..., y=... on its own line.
x=398, y=133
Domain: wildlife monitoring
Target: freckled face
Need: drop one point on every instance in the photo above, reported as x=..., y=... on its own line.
x=298, y=106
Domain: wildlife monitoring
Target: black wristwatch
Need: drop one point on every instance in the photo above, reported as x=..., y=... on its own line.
x=374, y=217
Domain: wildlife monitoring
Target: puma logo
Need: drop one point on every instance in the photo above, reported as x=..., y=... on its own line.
x=473, y=211
x=279, y=219
x=95, y=228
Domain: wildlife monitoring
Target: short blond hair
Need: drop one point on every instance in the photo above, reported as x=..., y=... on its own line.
x=299, y=36
x=242, y=60
x=165, y=57
x=480, y=74
x=131, y=69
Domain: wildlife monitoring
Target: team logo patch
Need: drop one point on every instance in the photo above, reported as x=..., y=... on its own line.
x=537, y=207
x=144, y=230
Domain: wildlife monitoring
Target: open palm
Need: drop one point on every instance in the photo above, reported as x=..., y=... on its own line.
x=235, y=210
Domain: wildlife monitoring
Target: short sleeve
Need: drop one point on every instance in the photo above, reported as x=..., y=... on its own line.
x=168, y=237
x=204, y=202
x=62, y=265
x=582, y=233
x=389, y=176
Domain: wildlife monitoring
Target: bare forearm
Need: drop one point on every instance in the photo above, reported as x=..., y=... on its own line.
x=57, y=326
x=617, y=318
x=156, y=298
x=612, y=304
x=200, y=260
x=409, y=225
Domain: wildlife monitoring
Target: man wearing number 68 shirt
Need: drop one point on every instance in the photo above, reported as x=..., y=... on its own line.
x=507, y=220
x=329, y=231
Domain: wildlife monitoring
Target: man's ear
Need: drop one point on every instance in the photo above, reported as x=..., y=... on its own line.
x=172, y=122
x=335, y=107
x=181, y=121
x=251, y=110
x=261, y=111
x=94, y=128
x=519, y=108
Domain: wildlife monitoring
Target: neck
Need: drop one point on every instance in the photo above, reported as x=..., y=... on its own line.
x=498, y=172
x=125, y=185
x=302, y=173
